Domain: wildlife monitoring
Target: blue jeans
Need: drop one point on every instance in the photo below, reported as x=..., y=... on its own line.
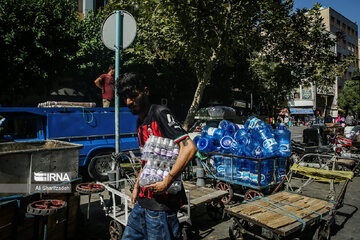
x=151, y=225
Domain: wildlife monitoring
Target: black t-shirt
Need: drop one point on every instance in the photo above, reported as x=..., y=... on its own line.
x=159, y=121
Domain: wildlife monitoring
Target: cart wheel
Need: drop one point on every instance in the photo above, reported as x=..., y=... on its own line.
x=250, y=194
x=89, y=188
x=185, y=231
x=215, y=210
x=322, y=232
x=225, y=187
x=45, y=207
x=235, y=230
x=115, y=230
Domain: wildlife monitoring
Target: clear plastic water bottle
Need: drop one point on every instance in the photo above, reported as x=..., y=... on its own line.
x=157, y=146
x=246, y=171
x=242, y=137
x=228, y=168
x=237, y=165
x=167, y=168
x=145, y=175
x=219, y=165
x=213, y=134
x=267, y=141
x=281, y=168
x=257, y=151
x=283, y=137
x=170, y=150
x=264, y=173
x=251, y=122
x=205, y=145
x=153, y=178
x=148, y=148
x=253, y=165
x=228, y=127
x=226, y=143
x=196, y=139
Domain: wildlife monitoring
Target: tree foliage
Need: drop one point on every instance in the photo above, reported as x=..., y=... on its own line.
x=282, y=47
x=38, y=39
x=349, y=99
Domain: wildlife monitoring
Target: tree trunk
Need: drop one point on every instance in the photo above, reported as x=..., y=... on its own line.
x=203, y=80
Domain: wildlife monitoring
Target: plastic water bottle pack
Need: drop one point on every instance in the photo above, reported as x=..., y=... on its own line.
x=160, y=155
x=254, y=139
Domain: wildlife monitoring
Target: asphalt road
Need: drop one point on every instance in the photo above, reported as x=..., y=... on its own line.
x=346, y=225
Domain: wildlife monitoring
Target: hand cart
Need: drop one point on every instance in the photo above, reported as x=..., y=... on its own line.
x=227, y=183
x=119, y=206
x=292, y=213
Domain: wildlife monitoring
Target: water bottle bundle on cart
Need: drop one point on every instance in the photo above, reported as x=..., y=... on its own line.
x=252, y=157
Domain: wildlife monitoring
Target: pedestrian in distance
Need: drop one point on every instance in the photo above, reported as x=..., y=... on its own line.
x=328, y=118
x=349, y=119
x=154, y=215
x=106, y=83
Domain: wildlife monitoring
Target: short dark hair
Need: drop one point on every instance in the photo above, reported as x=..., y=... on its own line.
x=131, y=81
x=111, y=67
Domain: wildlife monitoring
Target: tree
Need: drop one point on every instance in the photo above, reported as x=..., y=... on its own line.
x=349, y=100
x=92, y=57
x=209, y=33
x=38, y=39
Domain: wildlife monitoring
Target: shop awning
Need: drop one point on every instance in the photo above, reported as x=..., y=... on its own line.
x=301, y=111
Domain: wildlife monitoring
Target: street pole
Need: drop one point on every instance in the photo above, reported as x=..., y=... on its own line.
x=118, y=46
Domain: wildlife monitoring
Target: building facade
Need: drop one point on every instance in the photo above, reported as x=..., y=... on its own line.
x=84, y=6
x=325, y=99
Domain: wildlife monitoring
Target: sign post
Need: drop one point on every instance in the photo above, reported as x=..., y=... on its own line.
x=118, y=32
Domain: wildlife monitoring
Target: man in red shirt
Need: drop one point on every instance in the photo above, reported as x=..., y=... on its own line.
x=154, y=215
x=106, y=83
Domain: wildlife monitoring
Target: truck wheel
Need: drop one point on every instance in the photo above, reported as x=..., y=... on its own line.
x=99, y=166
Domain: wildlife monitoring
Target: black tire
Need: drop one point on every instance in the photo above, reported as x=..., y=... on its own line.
x=99, y=165
x=115, y=230
x=235, y=230
x=89, y=188
x=45, y=207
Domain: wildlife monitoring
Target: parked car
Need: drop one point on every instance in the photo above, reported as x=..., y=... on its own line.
x=211, y=116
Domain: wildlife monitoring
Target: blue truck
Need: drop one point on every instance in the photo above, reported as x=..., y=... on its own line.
x=94, y=128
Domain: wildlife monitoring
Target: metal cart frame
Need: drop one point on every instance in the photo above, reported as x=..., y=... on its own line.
x=319, y=224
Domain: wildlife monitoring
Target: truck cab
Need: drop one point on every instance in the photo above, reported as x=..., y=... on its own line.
x=94, y=128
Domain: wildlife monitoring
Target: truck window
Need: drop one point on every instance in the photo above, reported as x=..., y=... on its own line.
x=18, y=129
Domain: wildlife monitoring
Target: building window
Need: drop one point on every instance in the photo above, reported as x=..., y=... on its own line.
x=338, y=24
x=344, y=27
x=344, y=44
x=332, y=21
x=296, y=95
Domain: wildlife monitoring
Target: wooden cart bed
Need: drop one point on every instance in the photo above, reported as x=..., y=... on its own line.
x=201, y=195
x=283, y=212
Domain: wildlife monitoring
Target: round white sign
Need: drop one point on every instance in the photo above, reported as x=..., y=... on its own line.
x=108, y=30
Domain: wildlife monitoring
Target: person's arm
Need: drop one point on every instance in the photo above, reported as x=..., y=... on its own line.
x=186, y=153
x=98, y=83
x=136, y=189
